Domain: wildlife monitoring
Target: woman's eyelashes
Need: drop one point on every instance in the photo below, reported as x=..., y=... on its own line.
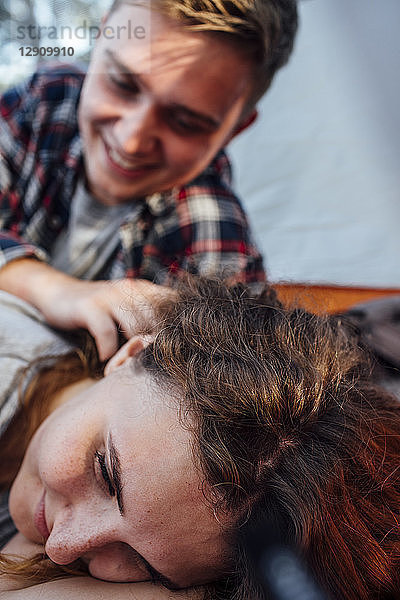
x=101, y=459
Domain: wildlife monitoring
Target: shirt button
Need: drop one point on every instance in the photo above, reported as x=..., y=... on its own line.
x=156, y=204
x=55, y=222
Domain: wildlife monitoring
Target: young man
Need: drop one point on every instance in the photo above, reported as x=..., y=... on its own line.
x=128, y=179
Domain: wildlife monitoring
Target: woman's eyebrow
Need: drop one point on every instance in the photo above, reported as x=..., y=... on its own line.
x=116, y=473
x=155, y=575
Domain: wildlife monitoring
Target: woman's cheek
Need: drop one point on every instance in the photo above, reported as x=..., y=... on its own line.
x=24, y=496
x=58, y=454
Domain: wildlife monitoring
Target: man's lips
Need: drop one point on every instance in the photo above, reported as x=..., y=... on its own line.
x=39, y=519
x=127, y=168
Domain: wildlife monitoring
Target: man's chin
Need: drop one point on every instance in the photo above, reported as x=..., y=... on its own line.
x=110, y=196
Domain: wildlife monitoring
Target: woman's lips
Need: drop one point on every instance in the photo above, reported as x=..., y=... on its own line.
x=40, y=519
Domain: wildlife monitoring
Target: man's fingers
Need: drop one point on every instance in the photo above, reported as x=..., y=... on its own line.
x=104, y=330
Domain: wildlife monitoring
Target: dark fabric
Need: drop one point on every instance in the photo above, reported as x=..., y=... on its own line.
x=378, y=326
x=378, y=322
x=7, y=527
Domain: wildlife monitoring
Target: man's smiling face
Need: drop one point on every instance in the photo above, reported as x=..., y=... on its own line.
x=154, y=112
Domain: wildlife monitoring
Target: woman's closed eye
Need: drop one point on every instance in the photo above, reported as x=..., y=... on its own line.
x=100, y=457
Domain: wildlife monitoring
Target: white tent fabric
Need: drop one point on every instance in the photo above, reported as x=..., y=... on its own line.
x=319, y=172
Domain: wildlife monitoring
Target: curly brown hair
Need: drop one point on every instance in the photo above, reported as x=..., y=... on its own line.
x=288, y=426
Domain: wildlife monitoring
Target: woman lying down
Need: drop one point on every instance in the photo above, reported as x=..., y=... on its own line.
x=236, y=410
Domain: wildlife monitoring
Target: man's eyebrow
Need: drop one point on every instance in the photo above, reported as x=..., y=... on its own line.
x=207, y=119
x=116, y=473
x=121, y=66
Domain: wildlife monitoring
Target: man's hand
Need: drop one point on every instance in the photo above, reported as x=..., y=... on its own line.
x=101, y=307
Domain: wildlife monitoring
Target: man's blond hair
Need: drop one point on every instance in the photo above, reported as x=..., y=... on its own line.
x=262, y=30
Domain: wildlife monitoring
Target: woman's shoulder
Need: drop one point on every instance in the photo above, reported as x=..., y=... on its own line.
x=23, y=330
x=24, y=337
x=10, y=304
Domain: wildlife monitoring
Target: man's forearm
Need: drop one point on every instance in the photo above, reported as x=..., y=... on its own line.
x=102, y=307
x=26, y=277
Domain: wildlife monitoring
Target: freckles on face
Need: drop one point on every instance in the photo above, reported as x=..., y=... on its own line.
x=57, y=463
x=167, y=514
x=166, y=519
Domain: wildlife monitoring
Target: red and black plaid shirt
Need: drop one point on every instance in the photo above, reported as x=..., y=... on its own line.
x=200, y=227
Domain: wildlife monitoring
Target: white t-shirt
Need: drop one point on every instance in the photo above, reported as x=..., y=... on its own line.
x=92, y=235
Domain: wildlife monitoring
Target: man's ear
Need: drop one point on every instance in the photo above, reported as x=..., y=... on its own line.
x=131, y=348
x=244, y=124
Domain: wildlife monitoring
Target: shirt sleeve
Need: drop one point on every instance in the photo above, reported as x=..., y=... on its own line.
x=17, y=111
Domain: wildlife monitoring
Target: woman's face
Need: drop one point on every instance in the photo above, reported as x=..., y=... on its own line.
x=109, y=478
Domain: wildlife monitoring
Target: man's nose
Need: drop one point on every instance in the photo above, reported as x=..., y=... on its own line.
x=137, y=132
x=77, y=532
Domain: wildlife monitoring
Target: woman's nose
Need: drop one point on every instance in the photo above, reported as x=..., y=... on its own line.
x=77, y=531
x=96, y=542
